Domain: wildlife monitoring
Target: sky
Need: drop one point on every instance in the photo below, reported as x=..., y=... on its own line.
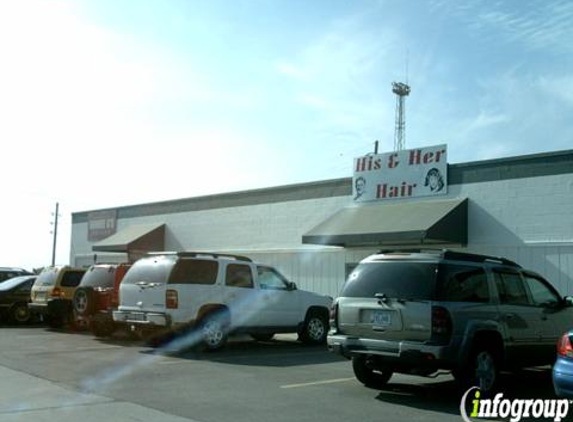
x=106, y=103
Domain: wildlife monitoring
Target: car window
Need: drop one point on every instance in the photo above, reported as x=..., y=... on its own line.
x=154, y=269
x=194, y=271
x=417, y=280
x=463, y=284
x=239, y=275
x=511, y=288
x=26, y=287
x=270, y=279
x=99, y=277
x=72, y=278
x=7, y=275
x=14, y=282
x=540, y=292
x=47, y=277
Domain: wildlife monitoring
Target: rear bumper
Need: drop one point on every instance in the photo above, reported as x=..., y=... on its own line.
x=410, y=353
x=142, y=319
x=563, y=378
x=40, y=308
x=51, y=307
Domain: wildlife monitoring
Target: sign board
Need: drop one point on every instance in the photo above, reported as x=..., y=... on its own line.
x=401, y=174
x=101, y=224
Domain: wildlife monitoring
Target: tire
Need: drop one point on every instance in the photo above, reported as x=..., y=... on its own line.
x=20, y=313
x=84, y=301
x=214, y=330
x=481, y=370
x=262, y=336
x=315, y=328
x=102, y=329
x=367, y=376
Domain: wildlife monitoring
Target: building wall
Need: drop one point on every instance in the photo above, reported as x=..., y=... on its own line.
x=529, y=220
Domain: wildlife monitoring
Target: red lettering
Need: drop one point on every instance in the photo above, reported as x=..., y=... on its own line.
x=378, y=164
x=404, y=190
x=393, y=161
x=428, y=157
x=415, y=157
x=439, y=154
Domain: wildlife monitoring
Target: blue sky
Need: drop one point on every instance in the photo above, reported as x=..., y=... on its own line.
x=108, y=103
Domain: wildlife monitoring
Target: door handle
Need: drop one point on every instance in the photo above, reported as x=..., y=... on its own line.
x=509, y=316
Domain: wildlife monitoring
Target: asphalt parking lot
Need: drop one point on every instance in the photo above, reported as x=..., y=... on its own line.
x=57, y=375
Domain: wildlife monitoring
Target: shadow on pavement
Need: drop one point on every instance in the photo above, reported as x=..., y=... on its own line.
x=272, y=353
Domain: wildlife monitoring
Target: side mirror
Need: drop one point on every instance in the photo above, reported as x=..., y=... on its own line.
x=568, y=300
x=291, y=286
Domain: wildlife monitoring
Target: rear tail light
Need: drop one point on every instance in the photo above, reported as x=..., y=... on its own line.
x=334, y=315
x=171, y=299
x=441, y=323
x=564, y=347
x=56, y=292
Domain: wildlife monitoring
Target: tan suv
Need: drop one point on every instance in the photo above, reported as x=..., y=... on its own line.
x=53, y=293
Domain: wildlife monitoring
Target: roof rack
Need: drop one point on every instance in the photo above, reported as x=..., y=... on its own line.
x=188, y=254
x=454, y=255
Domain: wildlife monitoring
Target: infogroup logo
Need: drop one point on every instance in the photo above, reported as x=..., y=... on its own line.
x=473, y=407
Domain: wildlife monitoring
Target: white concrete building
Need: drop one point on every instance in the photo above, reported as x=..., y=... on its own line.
x=520, y=208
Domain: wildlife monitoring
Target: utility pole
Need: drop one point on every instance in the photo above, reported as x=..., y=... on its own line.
x=55, y=232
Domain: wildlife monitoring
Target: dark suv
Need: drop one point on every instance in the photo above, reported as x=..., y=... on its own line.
x=420, y=312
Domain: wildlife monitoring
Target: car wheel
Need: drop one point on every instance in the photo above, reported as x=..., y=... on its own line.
x=481, y=370
x=262, y=336
x=83, y=301
x=214, y=331
x=21, y=313
x=315, y=328
x=368, y=376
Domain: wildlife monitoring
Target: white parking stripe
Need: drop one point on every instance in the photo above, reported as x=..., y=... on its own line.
x=307, y=384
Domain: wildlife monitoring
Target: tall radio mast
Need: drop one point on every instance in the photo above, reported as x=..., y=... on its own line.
x=402, y=91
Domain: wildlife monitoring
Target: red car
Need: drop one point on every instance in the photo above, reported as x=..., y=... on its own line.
x=97, y=296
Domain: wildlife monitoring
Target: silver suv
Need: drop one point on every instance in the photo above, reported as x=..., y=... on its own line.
x=419, y=312
x=212, y=294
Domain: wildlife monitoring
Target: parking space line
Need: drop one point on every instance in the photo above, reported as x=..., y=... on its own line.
x=307, y=384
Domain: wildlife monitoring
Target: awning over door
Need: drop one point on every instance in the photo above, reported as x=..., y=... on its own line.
x=407, y=223
x=135, y=238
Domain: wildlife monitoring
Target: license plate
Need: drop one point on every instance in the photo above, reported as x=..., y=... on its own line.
x=40, y=295
x=381, y=318
x=136, y=317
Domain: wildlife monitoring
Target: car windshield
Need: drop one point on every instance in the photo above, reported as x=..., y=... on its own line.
x=13, y=282
x=47, y=277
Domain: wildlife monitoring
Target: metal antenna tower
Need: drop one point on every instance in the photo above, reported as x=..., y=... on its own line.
x=402, y=91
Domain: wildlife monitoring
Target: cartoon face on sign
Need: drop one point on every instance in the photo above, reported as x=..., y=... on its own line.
x=434, y=180
x=359, y=187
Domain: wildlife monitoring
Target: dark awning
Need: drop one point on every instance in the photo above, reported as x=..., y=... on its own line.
x=140, y=237
x=406, y=223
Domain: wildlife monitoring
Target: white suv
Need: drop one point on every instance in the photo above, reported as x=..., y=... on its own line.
x=217, y=294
